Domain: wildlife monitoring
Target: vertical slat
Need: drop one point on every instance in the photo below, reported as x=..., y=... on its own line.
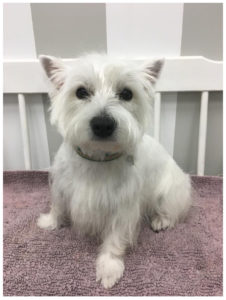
x=157, y=110
x=24, y=131
x=202, y=133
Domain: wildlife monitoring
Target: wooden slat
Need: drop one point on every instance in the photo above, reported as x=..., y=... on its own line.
x=157, y=112
x=202, y=133
x=24, y=131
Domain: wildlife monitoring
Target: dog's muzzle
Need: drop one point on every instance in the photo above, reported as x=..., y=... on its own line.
x=103, y=126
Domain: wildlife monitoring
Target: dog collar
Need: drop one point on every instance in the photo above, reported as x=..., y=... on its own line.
x=107, y=157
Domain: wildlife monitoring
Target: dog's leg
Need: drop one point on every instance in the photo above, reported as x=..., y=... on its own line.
x=110, y=264
x=161, y=222
x=58, y=215
x=47, y=221
x=54, y=219
x=171, y=205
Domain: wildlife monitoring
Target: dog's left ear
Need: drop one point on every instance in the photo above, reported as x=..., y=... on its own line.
x=54, y=69
x=153, y=69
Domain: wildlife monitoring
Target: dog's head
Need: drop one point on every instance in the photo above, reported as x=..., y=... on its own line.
x=101, y=103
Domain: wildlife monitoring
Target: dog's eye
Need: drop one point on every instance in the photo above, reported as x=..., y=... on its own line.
x=126, y=95
x=82, y=93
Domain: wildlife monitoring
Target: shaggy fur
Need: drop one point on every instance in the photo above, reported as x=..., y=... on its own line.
x=109, y=199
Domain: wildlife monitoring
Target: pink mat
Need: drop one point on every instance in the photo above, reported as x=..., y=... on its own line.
x=185, y=261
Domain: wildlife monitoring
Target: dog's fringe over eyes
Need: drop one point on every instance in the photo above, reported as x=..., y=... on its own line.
x=109, y=174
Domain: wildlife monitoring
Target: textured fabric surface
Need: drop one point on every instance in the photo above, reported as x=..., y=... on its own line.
x=186, y=260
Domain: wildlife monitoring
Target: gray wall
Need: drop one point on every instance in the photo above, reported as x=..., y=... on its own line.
x=67, y=30
x=203, y=30
x=202, y=35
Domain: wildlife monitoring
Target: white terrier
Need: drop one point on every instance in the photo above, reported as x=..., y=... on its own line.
x=108, y=174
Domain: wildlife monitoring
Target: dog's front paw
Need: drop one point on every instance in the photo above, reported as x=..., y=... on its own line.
x=160, y=223
x=109, y=270
x=47, y=221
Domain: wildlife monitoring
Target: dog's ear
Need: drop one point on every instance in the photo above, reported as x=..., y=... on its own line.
x=54, y=69
x=153, y=69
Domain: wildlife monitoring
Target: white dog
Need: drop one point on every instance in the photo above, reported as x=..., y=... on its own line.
x=108, y=174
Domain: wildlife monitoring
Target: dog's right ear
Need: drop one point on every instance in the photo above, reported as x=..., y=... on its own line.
x=153, y=69
x=54, y=69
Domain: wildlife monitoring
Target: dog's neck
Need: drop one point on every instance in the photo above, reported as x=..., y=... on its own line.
x=105, y=155
x=101, y=157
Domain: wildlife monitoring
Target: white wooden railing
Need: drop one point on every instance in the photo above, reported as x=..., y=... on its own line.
x=180, y=74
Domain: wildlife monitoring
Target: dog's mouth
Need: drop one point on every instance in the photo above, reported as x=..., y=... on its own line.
x=111, y=139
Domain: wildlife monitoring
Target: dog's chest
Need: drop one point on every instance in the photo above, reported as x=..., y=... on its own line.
x=96, y=195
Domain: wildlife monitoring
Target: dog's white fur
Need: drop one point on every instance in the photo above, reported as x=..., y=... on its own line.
x=110, y=198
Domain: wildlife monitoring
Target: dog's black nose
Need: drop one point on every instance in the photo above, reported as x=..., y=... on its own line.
x=103, y=126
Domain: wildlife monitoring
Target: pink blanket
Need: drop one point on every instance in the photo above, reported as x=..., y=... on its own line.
x=185, y=261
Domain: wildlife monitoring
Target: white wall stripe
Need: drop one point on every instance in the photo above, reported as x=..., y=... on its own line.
x=18, y=36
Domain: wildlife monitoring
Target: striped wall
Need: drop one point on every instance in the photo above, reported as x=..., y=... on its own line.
x=68, y=30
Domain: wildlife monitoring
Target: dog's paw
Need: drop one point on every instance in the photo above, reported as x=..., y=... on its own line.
x=160, y=223
x=109, y=270
x=47, y=221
